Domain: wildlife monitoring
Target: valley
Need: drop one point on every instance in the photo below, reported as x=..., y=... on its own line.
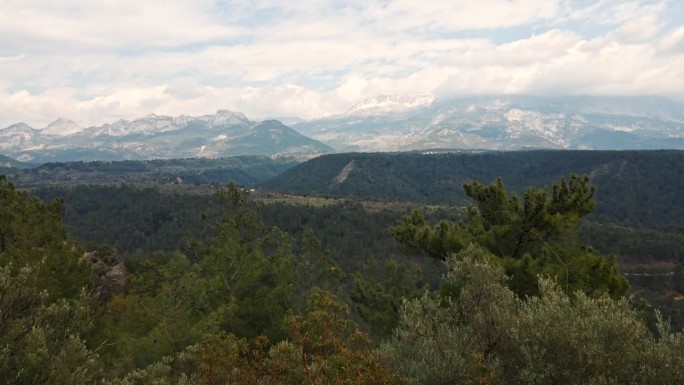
x=348, y=193
x=345, y=221
x=158, y=201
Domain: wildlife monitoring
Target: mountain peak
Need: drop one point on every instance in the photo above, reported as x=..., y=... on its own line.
x=223, y=117
x=271, y=122
x=384, y=104
x=61, y=127
x=19, y=127
x=503, y=122
x=225, y=133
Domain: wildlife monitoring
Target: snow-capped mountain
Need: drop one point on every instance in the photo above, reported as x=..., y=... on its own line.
x=61, y=127
x=155, y=124
x=503, y=123
x=18, y=135
x=225, y=133
x=385, y=123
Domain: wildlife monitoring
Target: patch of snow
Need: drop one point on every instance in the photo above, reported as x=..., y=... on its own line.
x=620, y=128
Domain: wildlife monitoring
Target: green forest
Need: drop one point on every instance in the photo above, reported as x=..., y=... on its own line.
x=244, y=170
x=503, y=283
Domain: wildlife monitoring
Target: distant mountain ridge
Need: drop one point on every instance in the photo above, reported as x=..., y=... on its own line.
x=225, y=133
x=503, y=123
x=387, y=123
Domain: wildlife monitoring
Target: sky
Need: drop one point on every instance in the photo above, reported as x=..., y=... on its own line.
x=99, y=61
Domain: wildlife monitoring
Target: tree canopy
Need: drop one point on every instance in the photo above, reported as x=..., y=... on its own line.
x=532, y=235
x=523, y=302
x=482, y=333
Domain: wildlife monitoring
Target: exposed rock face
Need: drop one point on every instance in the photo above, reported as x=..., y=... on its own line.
x=394, y=123
x=109, y=270
x=114, y=281
x=342, y=176
x=156, y=137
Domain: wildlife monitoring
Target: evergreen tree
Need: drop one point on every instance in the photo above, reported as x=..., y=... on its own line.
x=536, y=235
x=31, y=234
x=45, y=302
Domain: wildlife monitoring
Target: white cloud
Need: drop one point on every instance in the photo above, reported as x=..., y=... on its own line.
x=109, y=24
x=98, y=61
x=352, y=88
x=468, y=14
x=673, y=41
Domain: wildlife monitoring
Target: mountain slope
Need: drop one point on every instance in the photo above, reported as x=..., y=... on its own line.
x=9, y=165
x=243, y=170
x=639, y=187
x=7, y=162
x=157, y=137
x=503, y=123
x=61, y=127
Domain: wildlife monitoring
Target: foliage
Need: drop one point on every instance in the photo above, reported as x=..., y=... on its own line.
x=45, y=309
x=245, y=170
x=322, y=347
x=242, y=283
x=41, y=339
x=415, y=234
x=484, y=333
x=30, y=233
x=131, y=219
x=379, y=289
x=511, y=228
x=624, y=179
x=535, y=235
x=207, y=314
x=153, y=221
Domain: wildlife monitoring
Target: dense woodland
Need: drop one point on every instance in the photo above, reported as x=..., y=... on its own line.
x=244, y=170
x=128, y=285
x=624, y=179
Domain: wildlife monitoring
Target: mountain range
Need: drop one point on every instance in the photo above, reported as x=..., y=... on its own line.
x=225, y=133
x=384, y=123
x=390, y=123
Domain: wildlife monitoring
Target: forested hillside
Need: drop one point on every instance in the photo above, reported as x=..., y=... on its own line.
x=9, y=165
x=641, y=188
x=245, y=170
x=647, y=239
x=250, y=303
x=208, y=284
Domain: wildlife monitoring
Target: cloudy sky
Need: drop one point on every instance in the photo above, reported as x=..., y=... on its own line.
x=98, y=61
